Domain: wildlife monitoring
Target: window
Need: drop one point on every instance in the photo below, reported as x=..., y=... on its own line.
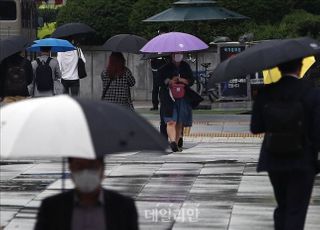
x=8, y=10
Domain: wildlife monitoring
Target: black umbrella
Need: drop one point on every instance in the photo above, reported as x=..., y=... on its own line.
x=264, y=55
x=12, y=45
x=128, y=43
x=87, y=129
x=72, y=29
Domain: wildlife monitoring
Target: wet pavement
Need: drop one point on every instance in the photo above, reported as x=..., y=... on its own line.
x=212, y=184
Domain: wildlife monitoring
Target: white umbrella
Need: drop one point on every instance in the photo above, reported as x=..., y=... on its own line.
x=63, y=126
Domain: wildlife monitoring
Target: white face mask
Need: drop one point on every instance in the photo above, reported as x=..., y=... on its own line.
x=178, y=57
x=87, y=181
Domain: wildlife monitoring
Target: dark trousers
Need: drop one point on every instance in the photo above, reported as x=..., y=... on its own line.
x=292, y=190
x=71, y=87
x=155, y=89
x=163, y=125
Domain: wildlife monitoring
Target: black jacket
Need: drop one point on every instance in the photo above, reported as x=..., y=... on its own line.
x=168, y=72
x=15, y=60
x=55, y=212
x=287, y=86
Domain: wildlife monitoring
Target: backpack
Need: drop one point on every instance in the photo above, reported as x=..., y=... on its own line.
x=44, y=80
x=15, y=80
x=285, y=124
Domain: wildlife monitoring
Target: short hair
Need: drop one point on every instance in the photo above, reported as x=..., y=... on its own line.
x=45, y=48
x=290, y=66
x=100, y=159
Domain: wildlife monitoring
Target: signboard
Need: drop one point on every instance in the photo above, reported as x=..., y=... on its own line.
x=237, y=87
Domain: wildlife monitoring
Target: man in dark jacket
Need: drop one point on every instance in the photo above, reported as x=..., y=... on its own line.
x=292, y=176
x=88, y=206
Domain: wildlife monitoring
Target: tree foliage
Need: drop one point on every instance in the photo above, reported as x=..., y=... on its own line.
x=144, y=9
x=268, y=18
x=107, y=17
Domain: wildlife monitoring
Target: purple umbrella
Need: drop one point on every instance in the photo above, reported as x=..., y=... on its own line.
x=174, y=42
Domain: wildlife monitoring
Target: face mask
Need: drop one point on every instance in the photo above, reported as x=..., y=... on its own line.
x=86, y=180
x=178, y=57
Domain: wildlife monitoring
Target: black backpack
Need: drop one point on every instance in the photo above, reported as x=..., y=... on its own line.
x=44, y=80
x=285, y=124
x=15, y=80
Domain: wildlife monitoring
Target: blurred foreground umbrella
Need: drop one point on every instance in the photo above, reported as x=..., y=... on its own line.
x=195, y=10
x=72, y=29
x=128, y=43
x=262, y=56
x=274, y=74
x=57, y=45
x=12, y=45
x=174, y=42
x=87, y=129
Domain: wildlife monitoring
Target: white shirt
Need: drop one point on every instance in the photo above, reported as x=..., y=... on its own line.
x=68, y=62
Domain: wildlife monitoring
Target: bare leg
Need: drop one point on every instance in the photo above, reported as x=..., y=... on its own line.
x=171, y=130
x=179, y=127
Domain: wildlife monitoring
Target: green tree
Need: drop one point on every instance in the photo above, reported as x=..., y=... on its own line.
x=144, y=9
x=107, y=17
x=296, y=24
x=268, y=18
x=260, y=11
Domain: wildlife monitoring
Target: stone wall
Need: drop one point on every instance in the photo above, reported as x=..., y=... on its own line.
x=96, y=59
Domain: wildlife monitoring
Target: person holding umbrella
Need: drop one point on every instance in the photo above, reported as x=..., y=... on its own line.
x=156, y=64
x=117, y=80
x=175, y=78
x=88, y=206
x=288, y=113
x=16, y=72
x=68, y=62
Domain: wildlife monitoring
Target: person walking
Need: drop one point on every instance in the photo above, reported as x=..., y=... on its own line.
x=88, y=206
x=16, y=74
x=175, y=79
x=117, y=80
x=46, y=73
x=156, y=64
x=68, y=62
x=288, y=112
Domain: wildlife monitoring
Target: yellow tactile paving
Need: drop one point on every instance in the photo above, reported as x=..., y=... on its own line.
x=223, y=135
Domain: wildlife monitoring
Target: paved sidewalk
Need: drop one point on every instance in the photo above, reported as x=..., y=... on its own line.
x=212, y=184
x=207, y=186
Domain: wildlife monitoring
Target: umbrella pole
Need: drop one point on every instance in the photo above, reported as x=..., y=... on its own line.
x=197, y=66
x=63, y=179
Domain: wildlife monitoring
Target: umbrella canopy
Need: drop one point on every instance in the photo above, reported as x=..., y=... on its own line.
x=57, y=45
x=63, y=126
x=195, y=10
x=262, y=56
x=12, y=45
x=72, y=29
x=174, y=42
x=128, y=43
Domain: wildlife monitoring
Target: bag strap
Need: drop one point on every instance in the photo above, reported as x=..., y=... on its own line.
x=106, y=89
x=78, y=52
x=38, y=61
x=48, y=60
